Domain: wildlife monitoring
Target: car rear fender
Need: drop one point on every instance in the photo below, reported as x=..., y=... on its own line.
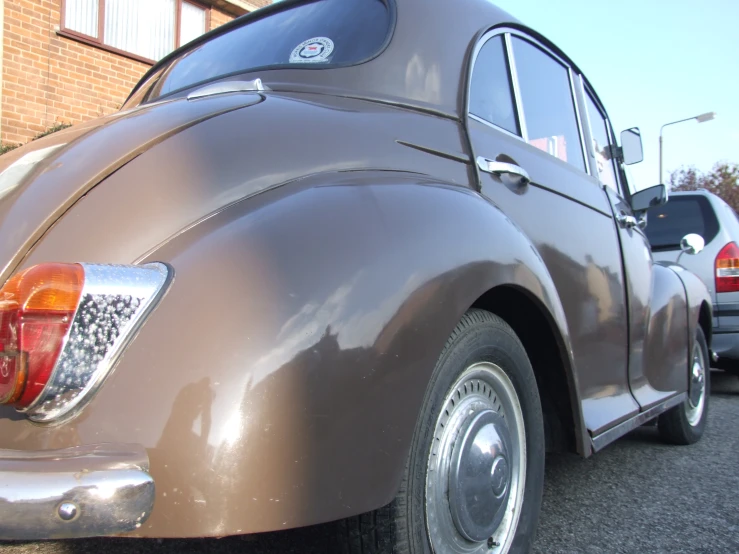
x=699, y=304
x=279, y=382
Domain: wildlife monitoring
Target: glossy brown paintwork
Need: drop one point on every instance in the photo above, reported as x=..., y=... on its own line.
x=301, y=389
x=324, y=247
x=658, y=319
x=194, y=174
x=584, y=266
x=93, y=152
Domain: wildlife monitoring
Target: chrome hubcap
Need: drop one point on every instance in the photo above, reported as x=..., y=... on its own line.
x=697, y=392
x=500, y=476
x=479, y=477
x=476, y=468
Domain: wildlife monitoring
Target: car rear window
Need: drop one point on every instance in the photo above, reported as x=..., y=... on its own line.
x=669, y=223
x=308, y=35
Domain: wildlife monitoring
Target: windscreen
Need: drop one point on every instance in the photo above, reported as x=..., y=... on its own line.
x=313, y=34
x=669, y=223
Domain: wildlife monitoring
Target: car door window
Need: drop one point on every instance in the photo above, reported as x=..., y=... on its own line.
x=601, y=144
x=548, y=105
x=491, y=91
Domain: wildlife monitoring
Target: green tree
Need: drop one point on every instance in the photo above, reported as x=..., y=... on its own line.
x=722, y=180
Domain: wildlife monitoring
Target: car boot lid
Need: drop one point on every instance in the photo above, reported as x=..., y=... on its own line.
x=40, y=181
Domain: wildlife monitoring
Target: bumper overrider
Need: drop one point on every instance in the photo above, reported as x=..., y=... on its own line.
x=85, y=491
x=63, y=328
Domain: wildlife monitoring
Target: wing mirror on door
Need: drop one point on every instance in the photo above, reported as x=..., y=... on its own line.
x=631, y=147
x=648, y=198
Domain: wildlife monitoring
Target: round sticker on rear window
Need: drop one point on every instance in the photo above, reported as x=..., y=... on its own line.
x=314, y=50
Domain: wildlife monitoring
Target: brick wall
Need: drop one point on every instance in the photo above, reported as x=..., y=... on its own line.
x=48, y=79
x=218, y=18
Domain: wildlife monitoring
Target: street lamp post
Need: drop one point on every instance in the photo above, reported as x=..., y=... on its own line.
x=708, y=116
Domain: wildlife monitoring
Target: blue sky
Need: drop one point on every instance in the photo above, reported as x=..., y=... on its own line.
x=653, y=62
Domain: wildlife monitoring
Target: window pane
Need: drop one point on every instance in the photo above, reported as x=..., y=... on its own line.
x=599, y=132
x=192, y=24
x=142, y=27
x=670, y=222
x=547, y=103
x=338, y=31
x=491, y=93
x=82, y=16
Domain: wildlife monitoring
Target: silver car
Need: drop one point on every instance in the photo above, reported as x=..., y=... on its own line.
x=703, y=213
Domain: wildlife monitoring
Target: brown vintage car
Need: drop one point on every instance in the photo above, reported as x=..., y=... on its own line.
x=354, y=261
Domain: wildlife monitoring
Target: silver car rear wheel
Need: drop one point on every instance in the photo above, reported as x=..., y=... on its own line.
x=697, y=391
x=686, y=422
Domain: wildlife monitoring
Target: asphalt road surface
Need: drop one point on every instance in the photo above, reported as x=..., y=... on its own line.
x=638, y=495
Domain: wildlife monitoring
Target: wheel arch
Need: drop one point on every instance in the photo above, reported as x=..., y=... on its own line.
x=704, y=320
x=547, y=351
x=698, y=300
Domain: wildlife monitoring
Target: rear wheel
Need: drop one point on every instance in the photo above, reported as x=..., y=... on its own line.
x=685, y=423
x=474, y=478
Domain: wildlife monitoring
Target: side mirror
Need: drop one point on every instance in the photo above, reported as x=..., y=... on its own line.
x=631, y=147
x=648, y=198
x=692, y=243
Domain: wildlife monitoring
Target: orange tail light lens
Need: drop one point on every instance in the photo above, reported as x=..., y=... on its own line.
x=727, y=269
x=62, y=328
x=36, y=310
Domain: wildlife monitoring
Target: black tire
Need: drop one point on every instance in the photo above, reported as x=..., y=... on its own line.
x=674, y=425
x=400, y=528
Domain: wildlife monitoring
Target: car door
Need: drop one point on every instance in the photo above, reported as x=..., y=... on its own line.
x=657, y=311
x=523, y=117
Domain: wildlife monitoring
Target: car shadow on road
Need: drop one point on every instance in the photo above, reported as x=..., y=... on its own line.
x=242, y=545
x=724, y=384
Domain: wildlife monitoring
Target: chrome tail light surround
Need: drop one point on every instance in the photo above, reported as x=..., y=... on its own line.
x=115, y=301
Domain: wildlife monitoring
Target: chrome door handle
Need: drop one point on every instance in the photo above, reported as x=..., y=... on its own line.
x=520, y=177
x=626, y=221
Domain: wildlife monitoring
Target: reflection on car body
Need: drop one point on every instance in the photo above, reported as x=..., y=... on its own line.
x=375, y=284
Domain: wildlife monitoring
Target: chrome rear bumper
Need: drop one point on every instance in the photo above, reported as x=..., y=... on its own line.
x=85, y=491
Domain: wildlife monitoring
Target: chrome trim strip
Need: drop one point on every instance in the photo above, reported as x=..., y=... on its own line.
x=590, y=153
x=226, y=87
x=85, y=491
x=513, y=72
x=516, y=87
x=575, y=100
x=457, y=157
x=519, y=113
x=587, y=114
x=538, y=44
x=614, y=163
x=607, y=437
x=586, y=94
x=493, y=125
x=114, y=303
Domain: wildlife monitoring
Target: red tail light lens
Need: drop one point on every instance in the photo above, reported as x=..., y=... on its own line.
x=36, y=310
x=727, y=269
